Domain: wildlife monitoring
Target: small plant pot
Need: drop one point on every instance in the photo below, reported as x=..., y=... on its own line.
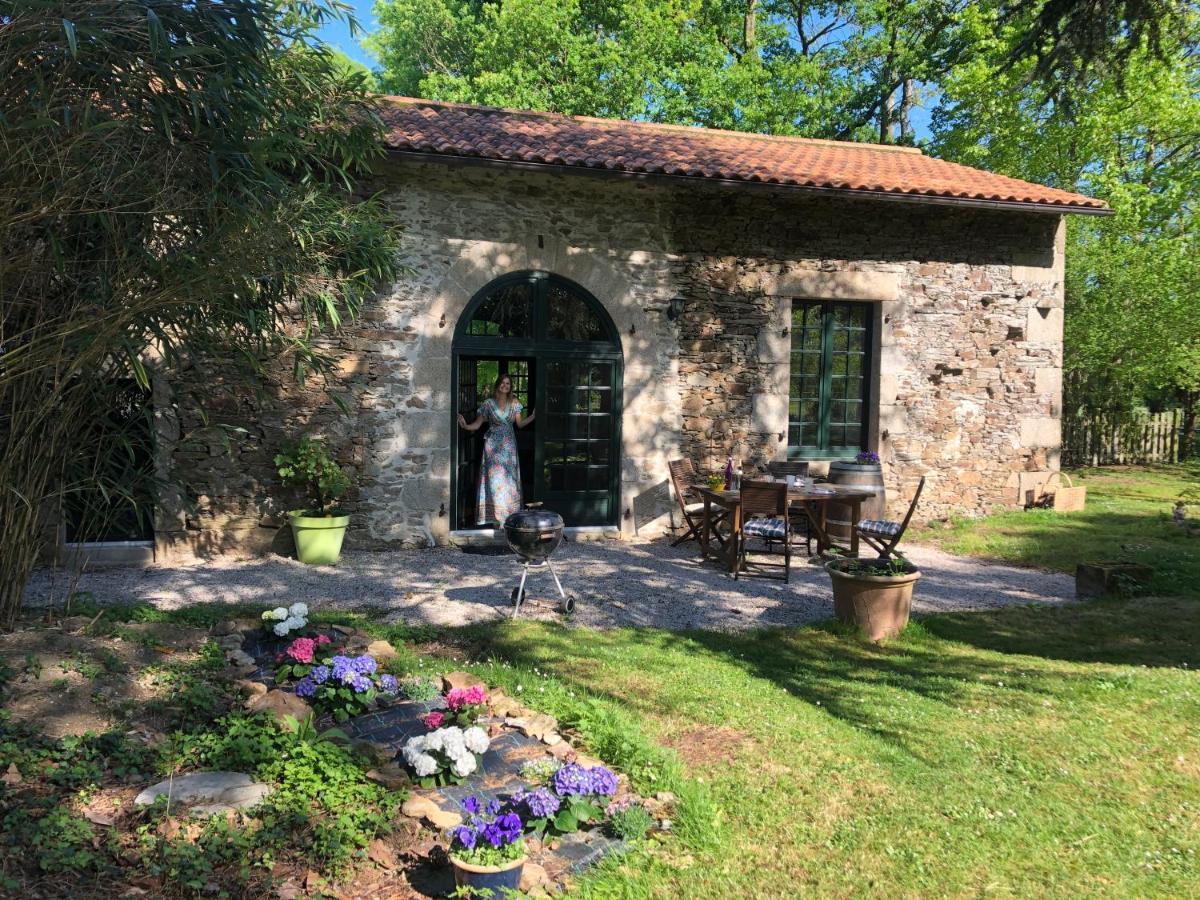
x=318, y=538
x=878, y=604
x=488, y=878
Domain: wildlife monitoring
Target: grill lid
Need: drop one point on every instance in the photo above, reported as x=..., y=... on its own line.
x=533, y=520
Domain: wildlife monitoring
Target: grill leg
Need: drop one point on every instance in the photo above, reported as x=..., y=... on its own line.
x=557, y=583
x=521, y=591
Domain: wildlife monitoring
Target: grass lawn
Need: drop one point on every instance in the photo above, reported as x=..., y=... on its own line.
x=1127, y=519
x=1020, y=752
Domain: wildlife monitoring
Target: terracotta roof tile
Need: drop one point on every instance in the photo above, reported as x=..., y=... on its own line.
x=513, y=136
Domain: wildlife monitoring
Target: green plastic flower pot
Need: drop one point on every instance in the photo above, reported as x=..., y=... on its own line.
x=318, y=538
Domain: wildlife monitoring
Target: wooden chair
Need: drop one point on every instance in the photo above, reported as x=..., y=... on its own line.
x=683, y=485
x=800, y=525
x=782, y=468
x=764, y=515
x=884, y=535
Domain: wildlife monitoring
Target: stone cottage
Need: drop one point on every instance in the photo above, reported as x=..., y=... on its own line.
x=657, y=292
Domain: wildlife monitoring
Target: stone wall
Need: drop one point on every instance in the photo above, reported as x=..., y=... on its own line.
x=967, y=362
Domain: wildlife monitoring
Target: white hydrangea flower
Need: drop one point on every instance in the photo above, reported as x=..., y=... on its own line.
x=476, y=739
x=464, y=765
x=300, y=610
x=281, y=628
x=425, y=765
x=280, y=613
x=268, y=615
x=452, y=741
x=433, y=740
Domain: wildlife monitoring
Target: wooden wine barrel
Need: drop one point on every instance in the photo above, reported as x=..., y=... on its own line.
x=851, y=474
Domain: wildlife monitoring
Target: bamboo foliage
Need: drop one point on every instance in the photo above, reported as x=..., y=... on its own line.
x=176, y=184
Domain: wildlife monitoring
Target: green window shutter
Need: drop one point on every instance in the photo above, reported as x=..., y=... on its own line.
x=831, y=347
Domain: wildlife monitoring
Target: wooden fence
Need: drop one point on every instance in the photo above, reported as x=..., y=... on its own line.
x=1106, y=439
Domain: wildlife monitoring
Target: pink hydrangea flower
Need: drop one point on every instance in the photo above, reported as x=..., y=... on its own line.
x=302, y=649
x=433, y=720
x=458, y=698
x=323, y=639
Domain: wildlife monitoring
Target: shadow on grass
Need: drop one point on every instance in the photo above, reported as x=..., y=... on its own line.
x=1143, y=631
x=857, y=682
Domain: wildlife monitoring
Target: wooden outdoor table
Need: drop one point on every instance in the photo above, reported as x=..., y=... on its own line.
x=813, y=501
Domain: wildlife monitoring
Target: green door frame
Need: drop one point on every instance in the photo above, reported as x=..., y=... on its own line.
x=541, y=349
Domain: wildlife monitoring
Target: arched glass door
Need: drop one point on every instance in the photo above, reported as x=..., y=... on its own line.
x=561, y=350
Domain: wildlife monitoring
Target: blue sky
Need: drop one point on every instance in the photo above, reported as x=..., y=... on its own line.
x=338, y=35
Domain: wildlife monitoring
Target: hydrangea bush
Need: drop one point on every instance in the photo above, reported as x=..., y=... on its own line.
x=283, y=620
x=573, y=797
x=489, y=835
x=464, y=708
x=445, y=756
x=344, y=686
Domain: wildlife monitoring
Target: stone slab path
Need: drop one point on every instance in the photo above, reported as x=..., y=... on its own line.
x=619, y=583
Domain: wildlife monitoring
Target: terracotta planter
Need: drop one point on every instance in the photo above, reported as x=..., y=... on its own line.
x=878, y=604
x=493, y=878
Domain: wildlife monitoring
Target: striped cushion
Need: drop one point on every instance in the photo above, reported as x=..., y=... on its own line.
x=775, y=529
x=879, y=526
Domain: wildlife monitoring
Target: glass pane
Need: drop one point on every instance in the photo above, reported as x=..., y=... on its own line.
x=569, y=317
x=853, y=436
x=507, y=312
x=597, y=478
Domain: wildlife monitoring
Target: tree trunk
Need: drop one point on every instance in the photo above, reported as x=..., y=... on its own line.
x=906, y=100
x=749, y=24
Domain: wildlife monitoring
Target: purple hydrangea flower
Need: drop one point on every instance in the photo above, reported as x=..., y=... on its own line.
x=305, y=687
x=602, y=781
x=571, y=781
x=319, y=674
x=343, y=669
x=361, y=683
x=387, y=684
x=538, y=804
x=363, y=665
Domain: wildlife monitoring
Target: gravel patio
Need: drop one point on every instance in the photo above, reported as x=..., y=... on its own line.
x=619, y=583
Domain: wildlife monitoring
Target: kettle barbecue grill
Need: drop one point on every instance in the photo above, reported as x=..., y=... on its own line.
x=533, y=534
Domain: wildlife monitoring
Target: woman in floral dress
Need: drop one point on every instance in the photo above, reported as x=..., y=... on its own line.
x=500, y=475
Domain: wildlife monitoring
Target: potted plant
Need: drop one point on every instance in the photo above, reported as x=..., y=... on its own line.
x=874, y=594
x=488, y=850
x=318, y=530
x=445, y=755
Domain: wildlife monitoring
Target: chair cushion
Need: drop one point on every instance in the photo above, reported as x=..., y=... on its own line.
x=766, y=528
x=879, y=526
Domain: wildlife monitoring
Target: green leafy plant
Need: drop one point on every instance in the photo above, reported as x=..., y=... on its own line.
x=540, y=771
x=629, y=822
x=421, y=690
x=307, y=464
x=893, y=566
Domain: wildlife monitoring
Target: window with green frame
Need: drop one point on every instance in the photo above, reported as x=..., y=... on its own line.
x=831, y=347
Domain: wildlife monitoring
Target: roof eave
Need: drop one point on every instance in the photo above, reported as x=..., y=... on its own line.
x=967, y=202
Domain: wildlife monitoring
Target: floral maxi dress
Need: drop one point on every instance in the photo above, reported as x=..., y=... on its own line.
x=500, y=475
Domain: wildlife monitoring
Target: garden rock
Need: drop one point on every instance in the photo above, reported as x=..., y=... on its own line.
x=418, y=807
x=250, y=689
x=391, y=776
x=535, y=726
x=230, y=642
x=442, y=819
x=280, y=705
x=533, y=878
x=230, y=790
x=382, y=855
x=460, y=680
x=381, y=650
x=240, y=658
